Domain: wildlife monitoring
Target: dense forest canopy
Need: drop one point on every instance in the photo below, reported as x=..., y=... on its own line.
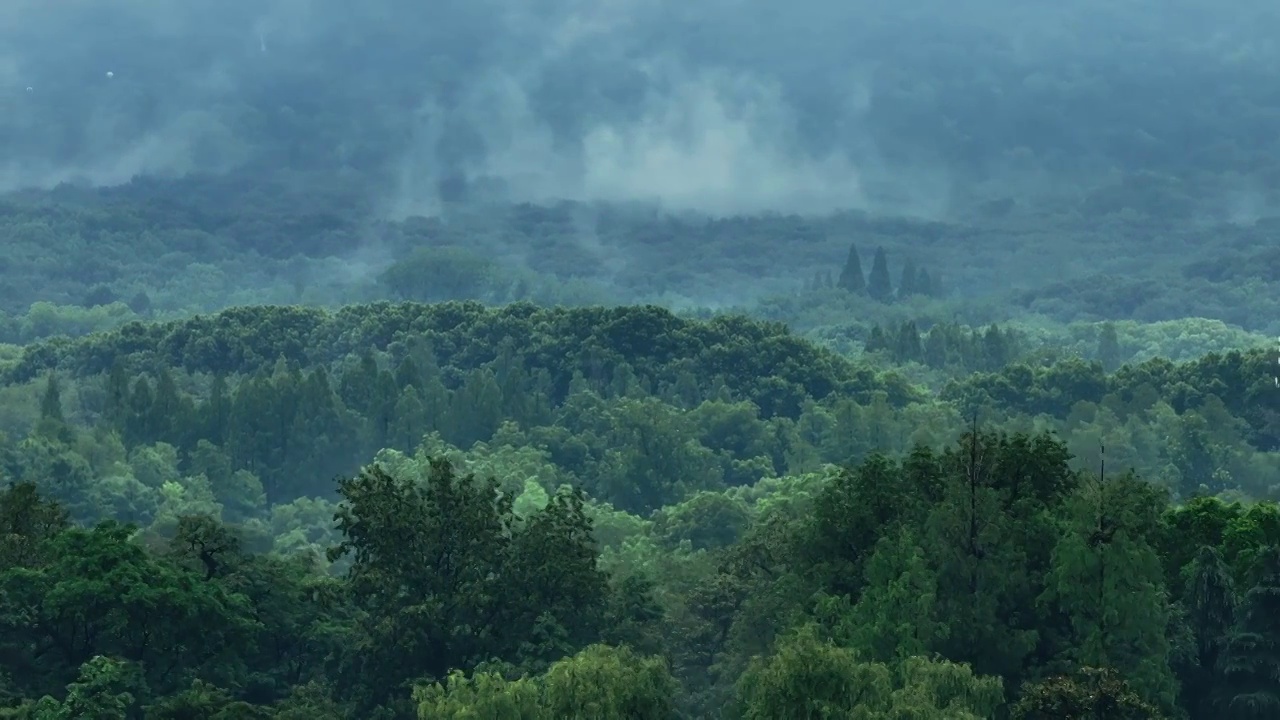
x=650, y=360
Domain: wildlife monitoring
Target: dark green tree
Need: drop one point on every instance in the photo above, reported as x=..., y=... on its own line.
x=1250, y=662
x=879, y=285
x=1087, y=694
x=1109, y=347
x=53, y=424
x=851, y=277
x=1108, y=580
x=1210, y=603
x=925, y=284
x=908, y=285
x=434, y=562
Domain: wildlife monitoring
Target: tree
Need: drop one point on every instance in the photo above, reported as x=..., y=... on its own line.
x=808, y=678
x=101, y=593
x=598, y=683
x=1211, y=609
x=26, y=522
x=982, y=538
x=1088, y=694
x=1108, y=580
x=896, y=616
x=437, y=274
x=106, y=689
x=851, y=277
x=908, y=285
x=1250, y=662
x=1109, y=347
x=879, y=286
x=485, y=694
x=607, y=682
x=52, y=423
x=925, y=284
x=434, y=562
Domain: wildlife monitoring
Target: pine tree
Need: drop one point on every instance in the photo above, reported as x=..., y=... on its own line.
x=935, y=348
x=1250, y=664
x=907, y=285
x=1109, y=581
x=51, y=403
x=877, y=340
x=972, y=540
x=908, y=348
x=924, y=283
x=52, y=423
x=851, y=277
x=879, y=286
x=117, y=399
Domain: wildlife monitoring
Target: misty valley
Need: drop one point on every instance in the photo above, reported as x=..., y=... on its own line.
x=557, y=360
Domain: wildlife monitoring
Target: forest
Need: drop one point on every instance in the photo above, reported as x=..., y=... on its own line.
x=457, y=510
x=476, y=361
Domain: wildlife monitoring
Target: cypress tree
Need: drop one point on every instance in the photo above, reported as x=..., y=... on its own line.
x=877, y=340
x=924, y=283
x=907, y=285
x=52, y=423
x=51, y=402
x=879, y=286
x=1109, y=347
x=851, y=277
x=908, y=346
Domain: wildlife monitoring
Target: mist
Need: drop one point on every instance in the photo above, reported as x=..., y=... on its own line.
x=717, y=107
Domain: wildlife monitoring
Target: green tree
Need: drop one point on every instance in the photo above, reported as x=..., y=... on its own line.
x=808, y=678
x=433, y=563
x=106, y=689
x=896, y=616
x=606, y=682
x=907, y=285
x=1088, y=694
x=1250, y=661
x=1109, y=353
x=925, y=284
x=52, y=423
x=879, y=285
x=483, y=696
x=851, y=277
x=1109, y=581
x=1211, y=614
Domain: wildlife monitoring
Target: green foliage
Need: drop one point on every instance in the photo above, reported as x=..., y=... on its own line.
x=1251, y=656
x=621, y=513
x=439, y=274
x=598, y=682
x=809, y=678
x=851, y=275
x=433, y=560
x=879, y=286
x=1089, y=694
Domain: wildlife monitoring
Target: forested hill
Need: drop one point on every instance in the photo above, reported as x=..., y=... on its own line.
x=755, y=360
x=696, y=514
